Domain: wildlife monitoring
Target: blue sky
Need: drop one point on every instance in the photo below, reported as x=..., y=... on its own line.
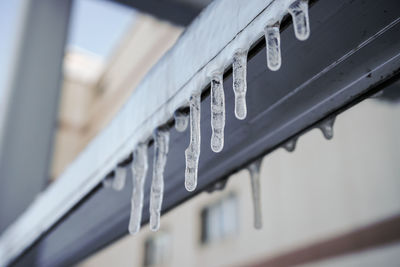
x=98, y=25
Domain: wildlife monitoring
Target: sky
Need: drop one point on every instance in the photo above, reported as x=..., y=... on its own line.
x=98, y=25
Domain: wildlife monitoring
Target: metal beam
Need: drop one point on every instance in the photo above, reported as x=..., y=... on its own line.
x=28, y=123
x=346, y=59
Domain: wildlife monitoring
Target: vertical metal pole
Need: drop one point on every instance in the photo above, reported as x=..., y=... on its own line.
x=30, y=109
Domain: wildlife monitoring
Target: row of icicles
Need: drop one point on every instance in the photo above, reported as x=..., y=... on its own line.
x=299, y=12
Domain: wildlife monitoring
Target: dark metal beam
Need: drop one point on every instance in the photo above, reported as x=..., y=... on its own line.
x=346, y=59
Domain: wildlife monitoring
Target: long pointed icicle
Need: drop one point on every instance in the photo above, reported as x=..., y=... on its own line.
x=120, y=178
x=273, y=41
x=239, y=67
x=254, y=169
x=139, y=172
x=299, y=11
x=217, y=112
x=181, y=121
x=161, y=143
x=192, y=153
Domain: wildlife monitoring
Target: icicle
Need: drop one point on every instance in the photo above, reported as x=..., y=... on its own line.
x=290, y=145
x=217, y=112
x=139, y=172
x=218, y=186
x=273, y=41
x=181, y=120
x=299, y=11
x=254, y=169
x=239, y=67
x=108, y=181
x=161, y=143
x=192, y=153
x=326, y=128
x=119, y=179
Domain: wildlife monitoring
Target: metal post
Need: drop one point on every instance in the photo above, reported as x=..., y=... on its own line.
x=28, y=118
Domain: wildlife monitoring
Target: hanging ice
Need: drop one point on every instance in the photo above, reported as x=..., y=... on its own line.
x=139, y=172
x=181, y=120
x=299, y=11
x=192, y=153
x=326, y=128
x=239, y=67
x=254, y=169
x=217, y=112
x=218, y=186
x=290, y=145
x=161, y=143
x=119, y=179
x=107, y=182
x=273, y=41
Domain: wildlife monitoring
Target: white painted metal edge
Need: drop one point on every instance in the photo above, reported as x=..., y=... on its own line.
x=207, y=45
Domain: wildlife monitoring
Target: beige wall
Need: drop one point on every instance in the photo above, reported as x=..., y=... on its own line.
x=323, y=189
x=81, y=71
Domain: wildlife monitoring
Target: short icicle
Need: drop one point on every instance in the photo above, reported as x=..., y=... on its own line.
x=181, y=120
x=299, y=11
x=273, y=41
x=139, y=172
x=254, y=169
x=108, y=181
x=120, y=178
x=217, y=112
x=161, y=144
x=326, y=128
x=239, y=67
x=290, y=145
x=192, y=153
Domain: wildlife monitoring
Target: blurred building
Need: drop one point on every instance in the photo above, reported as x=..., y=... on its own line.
x=93, y=90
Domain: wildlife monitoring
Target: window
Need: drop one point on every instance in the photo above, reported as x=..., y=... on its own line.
x=219, y=220
x=156, y=249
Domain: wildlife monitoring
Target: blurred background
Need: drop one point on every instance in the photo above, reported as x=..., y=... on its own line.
x=334, y=202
